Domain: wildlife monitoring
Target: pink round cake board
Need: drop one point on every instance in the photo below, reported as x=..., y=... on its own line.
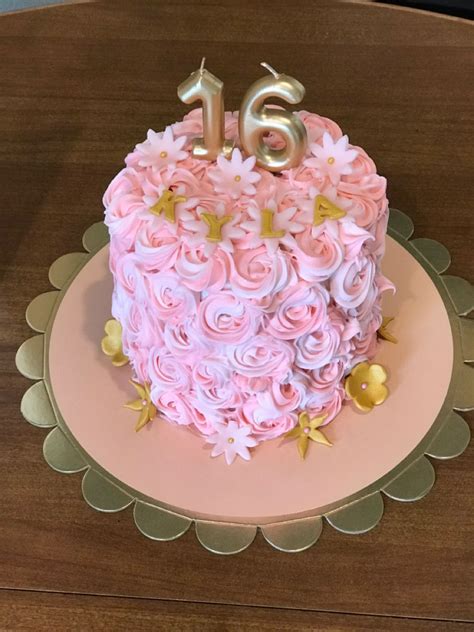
x=172, y=465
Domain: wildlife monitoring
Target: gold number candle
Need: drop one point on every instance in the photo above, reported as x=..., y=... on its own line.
x=204, y=86
x=256, y=119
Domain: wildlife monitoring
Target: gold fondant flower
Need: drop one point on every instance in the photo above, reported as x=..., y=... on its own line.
x=306, y=430
x=365, y=385
x=143, y=404
x=112, y=342
x=383, y=332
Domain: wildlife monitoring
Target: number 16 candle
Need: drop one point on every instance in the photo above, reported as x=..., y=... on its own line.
x=255, y=118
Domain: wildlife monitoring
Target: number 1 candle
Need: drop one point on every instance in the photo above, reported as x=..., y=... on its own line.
x=204, y=86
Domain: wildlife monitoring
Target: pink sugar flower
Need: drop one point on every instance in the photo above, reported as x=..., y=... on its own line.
x=307, y=204
x=282, y=220
x=161, y=149
x=182, y=213
x=332, y=158
x=235, y=176
x=231, y=441
x=199, y=230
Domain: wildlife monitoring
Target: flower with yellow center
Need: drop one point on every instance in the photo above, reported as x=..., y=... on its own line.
x=382, y=331
x=366, y=385
x=143, y=405
x=112, y=343
x=306, y=430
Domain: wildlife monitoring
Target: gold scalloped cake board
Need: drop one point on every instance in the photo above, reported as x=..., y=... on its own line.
x=406, y=483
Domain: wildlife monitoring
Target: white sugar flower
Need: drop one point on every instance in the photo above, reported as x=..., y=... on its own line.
x=231, y=441
x=235, y=176
x=161, y=149
x=332, y=158
x=282, y=221
x=199, y=230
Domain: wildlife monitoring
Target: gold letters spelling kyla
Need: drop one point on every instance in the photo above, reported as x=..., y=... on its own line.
x=323, y=209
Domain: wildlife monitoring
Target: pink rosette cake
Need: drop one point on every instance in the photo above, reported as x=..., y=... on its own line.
x=245, y=298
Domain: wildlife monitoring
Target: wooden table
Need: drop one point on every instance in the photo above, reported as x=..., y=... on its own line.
x=80, y=85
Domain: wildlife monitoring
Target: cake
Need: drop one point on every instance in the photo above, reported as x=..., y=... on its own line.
x=244, y=299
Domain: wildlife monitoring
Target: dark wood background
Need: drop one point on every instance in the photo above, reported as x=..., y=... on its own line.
x=80, y=85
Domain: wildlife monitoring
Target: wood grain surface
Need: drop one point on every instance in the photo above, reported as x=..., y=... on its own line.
x=80, y=85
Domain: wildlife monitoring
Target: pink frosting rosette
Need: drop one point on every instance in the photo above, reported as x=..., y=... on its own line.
x=264, y=419
x=353, y=238
x=362, y=208
x=157, y=249
x=182, y=340
x=323, y=382
x=320, y=346
x=361, y=166
x=317, y=348
x=166, y=371
x=140, y=327
x=199, y=271
x=169, y=298
x=226, y=319
x=352, y=282
x=174, y=405
x=121, y=218
x=261, y=357
x=330, y=408
x=300, y=309
x=283, y=398
x=363, y=347
x=256, y=274
x=318, y=258
x=215, y=388
x=129, y=275
x=127, y=181
x=316, y=126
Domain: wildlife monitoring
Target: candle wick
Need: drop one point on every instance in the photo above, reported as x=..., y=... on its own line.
x=270, y=69
x=201, y=68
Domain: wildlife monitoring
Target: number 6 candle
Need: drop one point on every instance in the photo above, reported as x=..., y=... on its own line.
x=204, y=86
x=255, y=120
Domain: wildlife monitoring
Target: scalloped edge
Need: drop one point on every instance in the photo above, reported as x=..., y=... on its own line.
x=29, y=358
x=412, y=484
x=36, y=406
x=451, y=440
x=226, y=538
x=358, y=517
x=293, y=536
x=40, y=309
x=401, y=223
x=434, y=252
x=61, y=455
x=102, y=494
x=158, y=524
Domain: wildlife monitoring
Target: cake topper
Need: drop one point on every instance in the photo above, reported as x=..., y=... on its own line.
x=255, y=119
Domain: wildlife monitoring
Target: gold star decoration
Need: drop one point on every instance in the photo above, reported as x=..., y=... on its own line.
x=382, y=331
x=306, y=430
x=112, y=343
x=143, y=405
